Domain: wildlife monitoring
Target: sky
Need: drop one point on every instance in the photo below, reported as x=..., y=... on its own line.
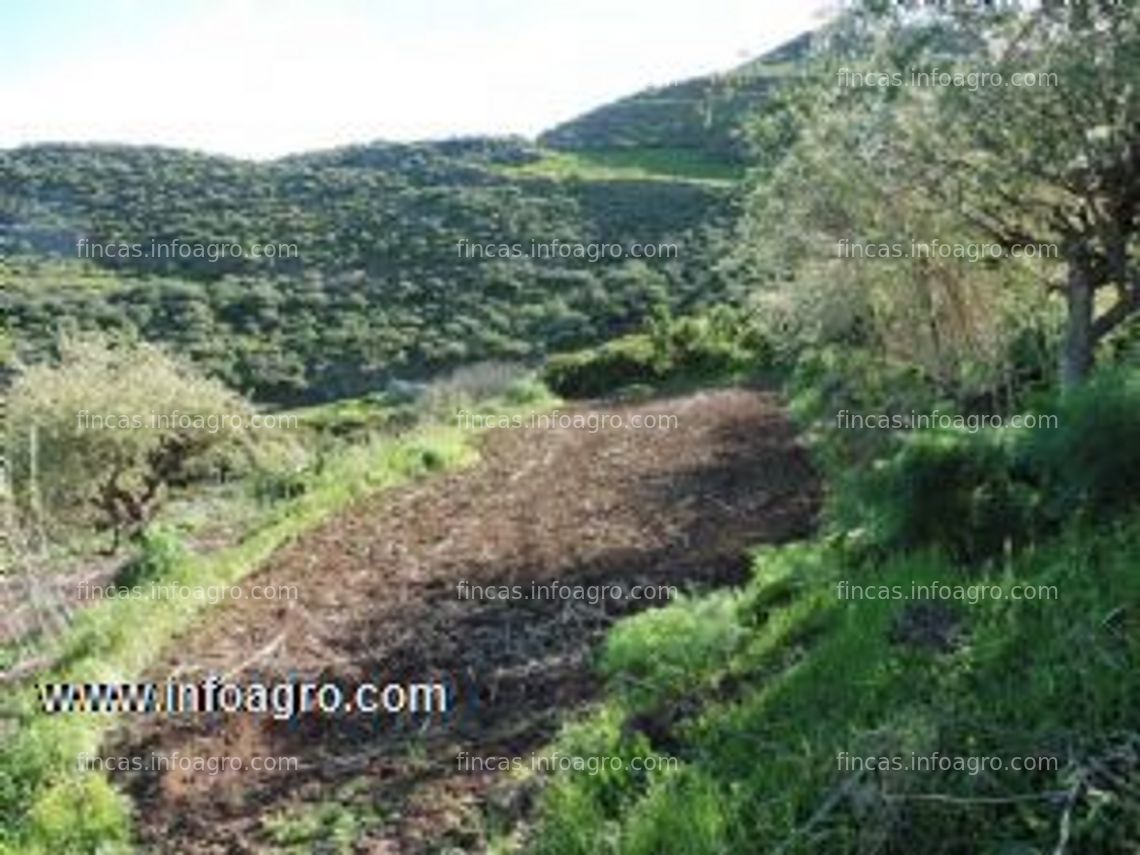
x=262, y=78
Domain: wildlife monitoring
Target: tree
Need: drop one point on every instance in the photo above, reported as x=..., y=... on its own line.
x=106, y=430
x=1020, y=128
x=1050, y=155
x=831, y=184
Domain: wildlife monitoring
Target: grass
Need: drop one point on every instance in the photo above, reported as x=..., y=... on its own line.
x=632, y=164
x=46, y=804
x=330, y=827
x=758, y=690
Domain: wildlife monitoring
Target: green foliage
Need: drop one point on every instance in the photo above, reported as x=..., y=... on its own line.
x=107, y=429
x=160, y=552
x=601, y=796
x=269, y=484
x=955, y=490
x=686, y=638
x=855, y=378
x=976, y=492
x=328, y=827
x=760, y=729
x=352, y=419
x=713, y=346
x=526, y=390
x=1091, y=462
x=590, y=373
x=905, y=163
x=375, y=285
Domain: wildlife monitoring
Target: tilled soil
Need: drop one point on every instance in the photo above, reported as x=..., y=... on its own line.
x=378, y=601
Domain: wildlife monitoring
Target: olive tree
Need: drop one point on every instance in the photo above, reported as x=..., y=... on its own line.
x=1044, y=151
x=1017, y=127
x=100, y=434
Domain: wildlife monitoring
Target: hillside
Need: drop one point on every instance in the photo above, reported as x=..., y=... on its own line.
x=369, y=283
x=702, y=116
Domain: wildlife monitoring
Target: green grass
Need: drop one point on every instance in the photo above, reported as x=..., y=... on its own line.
x=758, y=690
x=330, y=827
x=632, y=164
x=46, y=804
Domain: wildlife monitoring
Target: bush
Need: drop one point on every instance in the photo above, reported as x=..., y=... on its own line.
x=679, y=639
x=526, y=390
x=710, y=345
x=950, y=489
x=598, y=371
x=971, y=493
x=106, y=430
x=284, y=470
x=160, y=553
x=358, y=419
x=719, y=344
x=279, y=485
x=826, y=381
x=1091, y=461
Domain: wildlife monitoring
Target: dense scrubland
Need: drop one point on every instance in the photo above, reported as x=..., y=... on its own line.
x=764, y=178
x=366, y=280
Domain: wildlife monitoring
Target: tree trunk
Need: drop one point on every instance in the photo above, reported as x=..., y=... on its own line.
x=1077, y=352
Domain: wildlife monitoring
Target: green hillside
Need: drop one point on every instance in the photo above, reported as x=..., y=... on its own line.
x=367, y=279
x=324, y=274
x=704, y=115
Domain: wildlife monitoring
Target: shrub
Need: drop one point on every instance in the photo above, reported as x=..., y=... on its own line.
x=721, y=343
x=284, y=470
x=656, y=653
x=526, y=390
x=106, y=430
x=1091, y=461
x=970, y=493
x=161, y=551
x=358, y=419
x=597, y=371
x=949, y=489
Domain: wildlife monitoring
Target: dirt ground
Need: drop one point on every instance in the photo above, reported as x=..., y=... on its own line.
x=378, y=601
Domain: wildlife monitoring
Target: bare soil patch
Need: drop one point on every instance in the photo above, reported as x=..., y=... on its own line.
x=378, y=602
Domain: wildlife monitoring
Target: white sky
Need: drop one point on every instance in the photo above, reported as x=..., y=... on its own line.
x=261, y=78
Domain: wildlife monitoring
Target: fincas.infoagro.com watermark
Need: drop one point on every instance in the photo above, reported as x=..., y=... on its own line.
x=939, y=249
x=591, y=422
x=972, y=593
x=556, y=249
x=179, y=249
x=177, y=420
x=936, y=761
x=941, y=78
x=212, y=594
x=175, y=761
x=972, y=423
x=555, y=761
x=556, y=591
